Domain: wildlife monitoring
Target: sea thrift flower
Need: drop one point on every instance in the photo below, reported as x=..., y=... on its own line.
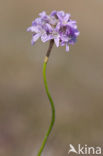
x=57, y=26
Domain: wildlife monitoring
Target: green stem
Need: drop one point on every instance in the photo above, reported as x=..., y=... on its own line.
x=52, y=107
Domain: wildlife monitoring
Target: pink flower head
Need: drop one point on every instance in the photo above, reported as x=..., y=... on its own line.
x=57, y=26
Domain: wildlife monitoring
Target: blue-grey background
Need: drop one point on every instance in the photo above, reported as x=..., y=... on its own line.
x=75, y=80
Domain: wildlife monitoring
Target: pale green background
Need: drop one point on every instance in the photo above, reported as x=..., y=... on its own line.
x=75, y=80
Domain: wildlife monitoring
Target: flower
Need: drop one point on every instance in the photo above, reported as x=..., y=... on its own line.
x=57, y=26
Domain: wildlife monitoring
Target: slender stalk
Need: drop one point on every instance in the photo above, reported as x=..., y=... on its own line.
x=50, y=99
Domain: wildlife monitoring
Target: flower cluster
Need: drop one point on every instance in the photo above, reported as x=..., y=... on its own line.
x=57, y=26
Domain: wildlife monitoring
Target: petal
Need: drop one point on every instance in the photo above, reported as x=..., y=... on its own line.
x=35, y=38
x=62, y=43
x=72, y=40
x=56, y=40
x=64, y=38
x=73, y=22
x=60, y=15
x=42, y=14
x=44, y=37
x=77, y=33
x=67, y=47
x=33, y=29
x=66, y=17
x=29, y=29
x=36, y=21
x=48, y=27
x=58, y=26
x=53, y=13
x=72, y=25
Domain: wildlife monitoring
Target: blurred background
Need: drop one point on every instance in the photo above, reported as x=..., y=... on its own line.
x=75, y=80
